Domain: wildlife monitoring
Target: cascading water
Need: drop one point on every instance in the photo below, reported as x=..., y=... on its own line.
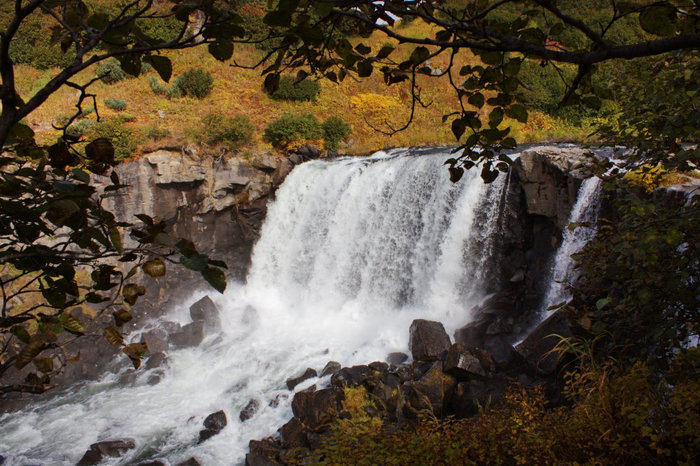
x=351, y=252
x=585, y=213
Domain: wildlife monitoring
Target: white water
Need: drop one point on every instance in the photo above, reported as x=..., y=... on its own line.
x=351, y=252
x=585, y=212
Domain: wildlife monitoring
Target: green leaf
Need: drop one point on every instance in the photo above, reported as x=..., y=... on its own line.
x=162, y=65
x=116, y=239
x=495, y=117
x=419, y=55
x=278, y=19
x=196, y=262
x=131, y=293
x=517, y=112
x=43, y=364
x=221, y=49
x=114, y=337
x=658, y=20
x=601, y=303
x=154, y=268
x=592, y=101
x=362, y=49
x=476, y=100
x=456, y=173
x=131, y=64
x=121, y=316
x=29, y=352
x=271, y=83
x=21, y=333
x=100, y=150
x=384, y=52
x=215, y=277
x=71, y=324
x=364, y=68
x=459, y=125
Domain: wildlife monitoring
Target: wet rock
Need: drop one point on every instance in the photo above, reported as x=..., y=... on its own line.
x=331, y=368
x=427, y=340
x=315, y=409
x=262, y=453
x=466, y=362
x=397, y=358
x=379, y=366
x=190, y=335
x=249, y=410
x=157, y=360
x=350, y=376
x=206, y=311
x=156, y=340
x=478, y=392
x=308, y=374
x=537, y=347
x=190, y=462
x=153, y=379
x=151, y=463
x=99, y=451
x=473, y=333
x=213, y=424
x=250, y=316
x=432, y=392
x=275, y=402
x=293, y=434
x=507, y=359
x=171, y=327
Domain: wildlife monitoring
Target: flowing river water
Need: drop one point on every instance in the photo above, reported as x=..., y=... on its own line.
x=351, y=252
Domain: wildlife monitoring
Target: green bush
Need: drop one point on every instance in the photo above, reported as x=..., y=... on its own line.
x=229, y=131
x=301, y=91
x=115, y=104
x=334, y=131
x=81, y=127
x=195, y=82
x=121, y=137
x=111, y=71
x=160, y=29
x=30, y=46
x=155, y=133
x=157, y=86
x=290, y=128
x=544, y=88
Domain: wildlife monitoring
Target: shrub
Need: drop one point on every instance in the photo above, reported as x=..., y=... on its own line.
x=115, y=104
x=80, y=127
x=121, y=137
x=155, y=133
x=160, y=29
x=30, y=46
x=157, y=86
x=111, y=71
x=544, y=88
x=230, y=131
x=306, y=90
x=289, y=128
x=334, y=131
x=195, y=82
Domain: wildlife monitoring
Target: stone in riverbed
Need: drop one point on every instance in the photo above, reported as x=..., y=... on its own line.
x=350, y=376
x=190, y=462
x=293, y=434
x=206, y=311
x=315, y=409
x=190, y=335
x=294, y=381
x=249, y=411
x=156, y=340
x=537, y=347
x=99, y=451
x=331, y=368
x=213, y=424
x=433, y=392
x=466, y=362
x=427, y=340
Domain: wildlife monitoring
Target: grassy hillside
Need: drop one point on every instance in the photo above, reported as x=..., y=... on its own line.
x=150, y=119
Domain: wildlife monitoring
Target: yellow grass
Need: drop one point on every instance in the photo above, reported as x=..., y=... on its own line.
x=239, y=92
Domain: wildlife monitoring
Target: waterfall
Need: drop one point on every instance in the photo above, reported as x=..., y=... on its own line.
x=584, y=216
x=350, y=253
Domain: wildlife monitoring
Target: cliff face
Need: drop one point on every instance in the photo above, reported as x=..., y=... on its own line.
x=218, y=203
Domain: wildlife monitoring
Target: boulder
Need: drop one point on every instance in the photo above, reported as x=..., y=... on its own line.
x=315, y=409
x=469, y=396
x=396, y=358
x=427, y=340
x=99, y=451
x=331, y=368
x=433, y=392
x=213, y=424
x=191, y=335
x=156, y=340
x=263, y=453
x=294, y=381
x=157, y=360
x=467, y=362
x=190, y=462
x=350, y=376
x=293, y=434
x=249, y=410
x=153, y=463
x=538, y=347
x=503, y=353
x=206, y=311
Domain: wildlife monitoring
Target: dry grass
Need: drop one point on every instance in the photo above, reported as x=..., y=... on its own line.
x=239, y=92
